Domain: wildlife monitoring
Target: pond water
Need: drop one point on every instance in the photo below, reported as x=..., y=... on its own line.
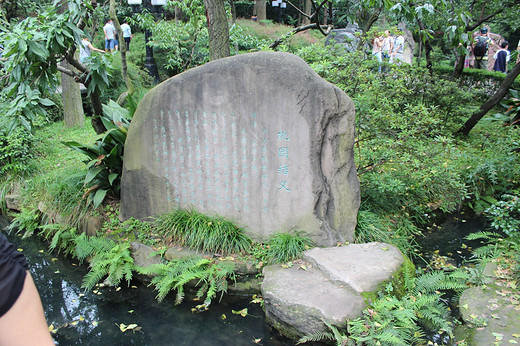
x=86, y=318
x=90, y=318
x=444, y=242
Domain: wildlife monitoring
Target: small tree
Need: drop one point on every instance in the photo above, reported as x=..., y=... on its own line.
x=33, y=50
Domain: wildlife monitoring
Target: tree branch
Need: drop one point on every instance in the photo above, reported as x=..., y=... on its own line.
x=299, y=29
x=66, y=71
x=299, y=11
x=491, y=102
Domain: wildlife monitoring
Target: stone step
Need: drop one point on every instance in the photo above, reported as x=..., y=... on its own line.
x=297, y=301
x=360, y=266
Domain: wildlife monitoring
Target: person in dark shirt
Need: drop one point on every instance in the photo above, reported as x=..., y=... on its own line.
x=22, y=320
x=502, y=57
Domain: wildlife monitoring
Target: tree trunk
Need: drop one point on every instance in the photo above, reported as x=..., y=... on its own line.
x=233, y=11
x=73, y=114
x=307, y=8
x=491, y=102
x=97, y=107
x=457, y=71
x=218, y=29
x=261, y=12
x=427, y=47
x=122, y=48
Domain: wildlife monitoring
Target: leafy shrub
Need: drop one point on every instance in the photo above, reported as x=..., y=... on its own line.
x=202, y=232
x=16, y=152
x=105, y=164
x=511, y=106
x=394, y=320
x=176, y=274
x=505, y=215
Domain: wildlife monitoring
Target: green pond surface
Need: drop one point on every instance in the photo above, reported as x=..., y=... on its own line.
x=90, y=318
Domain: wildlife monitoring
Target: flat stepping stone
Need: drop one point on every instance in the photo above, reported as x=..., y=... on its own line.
x=361, y=266
x=297, y=301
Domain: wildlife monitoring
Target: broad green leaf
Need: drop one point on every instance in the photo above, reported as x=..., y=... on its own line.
x=92, y=173
x=112, y=177
x=99, y=197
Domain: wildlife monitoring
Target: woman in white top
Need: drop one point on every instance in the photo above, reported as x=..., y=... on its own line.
x=85, y=49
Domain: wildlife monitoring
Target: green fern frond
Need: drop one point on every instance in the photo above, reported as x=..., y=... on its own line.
x=483, y=236
x=316, y=336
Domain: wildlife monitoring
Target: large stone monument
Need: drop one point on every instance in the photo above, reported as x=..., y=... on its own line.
x=259, y=138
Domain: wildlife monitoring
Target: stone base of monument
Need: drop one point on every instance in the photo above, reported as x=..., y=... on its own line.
x=330, y=286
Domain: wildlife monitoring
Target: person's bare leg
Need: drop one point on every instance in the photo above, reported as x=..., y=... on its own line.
x=25, y=324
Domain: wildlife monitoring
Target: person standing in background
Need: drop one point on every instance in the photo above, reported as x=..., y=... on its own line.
x=85, y=49
x=491, y=43
x=110, y=36
x=502, y=57
x=377, y=43
x=127, y=34
x=396, y=56
x=388, y=45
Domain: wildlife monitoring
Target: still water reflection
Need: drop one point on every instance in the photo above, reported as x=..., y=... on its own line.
x=89, y=318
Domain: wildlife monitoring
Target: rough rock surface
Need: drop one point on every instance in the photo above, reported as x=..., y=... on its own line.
x=491, y=313
x=259, y=138
x=328, y=287
x=144, y=255
x=12, y=202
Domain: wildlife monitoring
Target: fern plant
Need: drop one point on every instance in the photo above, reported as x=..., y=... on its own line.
x=27, y=221
x=87, y=246
x=391, y=320
x=116, y=264
x=63, y=238
x=211, y=277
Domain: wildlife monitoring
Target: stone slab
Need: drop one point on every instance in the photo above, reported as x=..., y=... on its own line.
x=361, y=266
x=492, y=315
x=258, y=138
x=297, y=301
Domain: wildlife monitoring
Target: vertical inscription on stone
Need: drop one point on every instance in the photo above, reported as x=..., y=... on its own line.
x=226, y=161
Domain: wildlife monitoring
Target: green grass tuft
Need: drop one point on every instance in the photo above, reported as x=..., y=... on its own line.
x=202, y=232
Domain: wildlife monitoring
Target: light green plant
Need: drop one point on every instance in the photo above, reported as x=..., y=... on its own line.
x=202, y=232
x=27, y=221
x=284, y=247
x=115, y=264
x=211, y=275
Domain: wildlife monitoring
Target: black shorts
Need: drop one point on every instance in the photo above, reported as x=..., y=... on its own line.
x=13, y=268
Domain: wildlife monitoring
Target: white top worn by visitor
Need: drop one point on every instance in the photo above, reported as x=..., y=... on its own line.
x=84, y=50
x=127, y=32
x=110, y=31
x=398, y=44
x=386, y=44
